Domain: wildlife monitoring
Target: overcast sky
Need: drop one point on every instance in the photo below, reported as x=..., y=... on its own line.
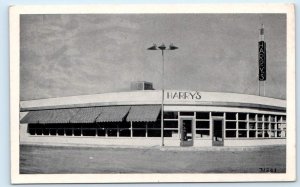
x=64, y=55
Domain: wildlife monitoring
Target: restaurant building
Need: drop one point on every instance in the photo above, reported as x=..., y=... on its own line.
x=191, y=118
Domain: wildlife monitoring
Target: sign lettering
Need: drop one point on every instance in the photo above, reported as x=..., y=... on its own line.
x=183, y=95
x=262, y=61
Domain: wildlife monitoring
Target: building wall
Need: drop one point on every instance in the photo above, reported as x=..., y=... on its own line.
x=175, y=102
x=25, y=138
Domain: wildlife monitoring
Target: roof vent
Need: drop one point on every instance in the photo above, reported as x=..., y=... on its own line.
x=142, y=85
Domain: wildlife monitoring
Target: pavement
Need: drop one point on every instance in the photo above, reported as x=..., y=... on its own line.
x=64, y=159
x=162, y=148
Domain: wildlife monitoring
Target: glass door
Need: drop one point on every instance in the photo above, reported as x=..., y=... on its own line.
x=218, y=139
x=186, y=132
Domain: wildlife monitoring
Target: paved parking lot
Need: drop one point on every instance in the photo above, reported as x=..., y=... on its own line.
x=63, y=159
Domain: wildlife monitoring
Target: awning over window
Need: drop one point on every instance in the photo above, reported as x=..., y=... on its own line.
x=50, y=116
x=113, y=114
x=34, y=116
x=144, y=113
x=87, y=115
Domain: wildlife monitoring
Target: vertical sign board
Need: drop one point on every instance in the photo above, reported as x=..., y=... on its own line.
x=262, y=59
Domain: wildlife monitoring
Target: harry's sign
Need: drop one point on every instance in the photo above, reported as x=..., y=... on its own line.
x=262, y=72
x=182, y=95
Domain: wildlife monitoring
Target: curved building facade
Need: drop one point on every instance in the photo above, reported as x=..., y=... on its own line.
x=190, y=118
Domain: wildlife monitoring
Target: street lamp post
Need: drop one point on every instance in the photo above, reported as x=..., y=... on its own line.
x=162, y=47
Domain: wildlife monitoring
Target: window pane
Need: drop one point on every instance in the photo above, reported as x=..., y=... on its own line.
x=46, y=131
x=170, y=115
x=242, y=125
x=39, y=131
x=259, y=117
x=230, y=125
x=170, y=124
x=252, y=125
x=202, y=124
x=266, y=117
x=278, y=118
x=202, y=133
x=88, y=125
x=139, y=125
x=101, y=132
x=266, y=125
x=272, y=134
x=252, y=134
x=252, y=117
x=76, y=126
x=202, y=115
x=124, y=133
x=259, y=134
x=69, y=132
x=154, y=133
x=281, y=126
x=266, y=134
x=231, y=116
x=230, y=134
x=283, y=119
x=217, y=113
x=60, y=131
x=52, y=131
x=272, y=118
x=112, y=132
x=139, y=133
x=242, y=134
x=77, y=132
x=124, y=125
x=171, y=133
x=242, y=116
x=281, y=134
x=187, y=113
x=111, y=125
x=273, y=125
x=88, y=132
x=259, y=125
x=154, y=125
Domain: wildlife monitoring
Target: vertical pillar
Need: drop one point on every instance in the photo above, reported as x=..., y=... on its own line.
x=118, y=130
x=131, y=129
x=248, y=128
x=146, y=130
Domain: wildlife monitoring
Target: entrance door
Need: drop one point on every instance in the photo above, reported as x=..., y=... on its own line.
x=186, y=132
x=218, y=139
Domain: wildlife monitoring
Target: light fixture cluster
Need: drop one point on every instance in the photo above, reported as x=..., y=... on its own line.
x=163, y=47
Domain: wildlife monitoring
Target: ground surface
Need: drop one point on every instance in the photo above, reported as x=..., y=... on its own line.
x=50, y=159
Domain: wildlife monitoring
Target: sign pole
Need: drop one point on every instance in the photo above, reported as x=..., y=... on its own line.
x=162, y=47
x=162, y=99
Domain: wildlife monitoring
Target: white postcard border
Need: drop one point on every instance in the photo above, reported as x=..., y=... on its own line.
x=14, y=27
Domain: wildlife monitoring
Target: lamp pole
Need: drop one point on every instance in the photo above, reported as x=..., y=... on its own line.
x=162, y=47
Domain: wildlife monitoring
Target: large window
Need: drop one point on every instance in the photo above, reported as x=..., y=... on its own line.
x=202, y=125
x=251, y=125
x=171, y=123
x=236, y=125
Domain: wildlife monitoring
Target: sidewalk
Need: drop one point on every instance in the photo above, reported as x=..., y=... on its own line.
x=162, y=148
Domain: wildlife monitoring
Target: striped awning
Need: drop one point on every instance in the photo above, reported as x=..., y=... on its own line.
x=87, y=115
x=33, y=116
x=113, y=114
x=146, y=113
x=50, y=116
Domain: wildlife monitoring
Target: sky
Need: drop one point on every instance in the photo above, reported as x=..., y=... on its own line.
x=65, y=55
